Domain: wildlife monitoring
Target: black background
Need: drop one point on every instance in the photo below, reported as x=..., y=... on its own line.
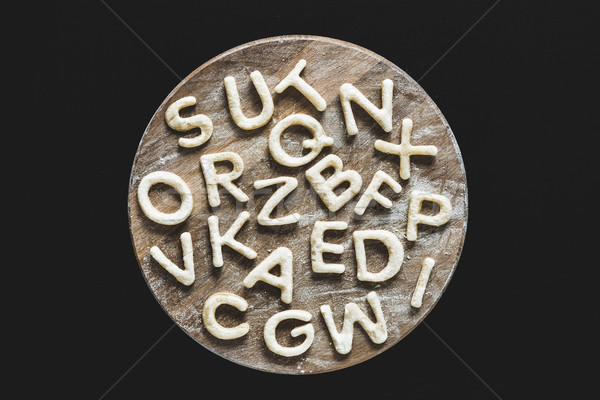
x=518, y=91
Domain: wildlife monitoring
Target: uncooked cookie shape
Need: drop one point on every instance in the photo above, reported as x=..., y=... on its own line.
x=173, y=180
x=283, y=257
x=308, y=330
x=372, y=192
x=213, y=180
x=405, y=149
x=235, y=108
x=316, y=144
x=289, y=184
x=318, y=246
x=186, y=275
x=201, y=121
x=383, y=115
x=210, y=322
x=417, y=298
x=324, y=187
x=217, y=241
x=395, y=255
x=293, y=79
x=342, y=341
x=415, y=217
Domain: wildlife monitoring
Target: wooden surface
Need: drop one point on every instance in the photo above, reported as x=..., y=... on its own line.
x=330, y=64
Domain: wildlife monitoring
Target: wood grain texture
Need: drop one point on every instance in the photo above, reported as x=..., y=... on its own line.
x=330, y=64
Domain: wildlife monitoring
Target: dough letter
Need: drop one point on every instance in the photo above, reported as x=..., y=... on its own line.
x=185, y=124
x=405, y=149
x=320, y=140
x=185, y=276
x=233, y=98
x=308, y=330
x=210, y=322
x=417, y=297
x=342, y=341
x=213, y=179
x=382, y=115
x=414, y=212
x=217, y=241
x=289, y=184
x=293, y=79
x=168, y=178
x=372, y=192
x=395, y=255
x=282, y=257
x=318, y=247
x=324, y=187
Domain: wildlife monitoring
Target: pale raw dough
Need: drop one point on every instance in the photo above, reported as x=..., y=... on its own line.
x=173, y=180
x=212, y=179
x=289, y=184
x=320, y=140
x=233, y=98
x=405, y=149
x=372, y=192
x=175, y=121
x=308, y=330
x=395, y=255
x=283, y=257
x=210, y=322
x=417, y=297
x=324, y=187
x=415, y=217
x=293, y=79
x=217, y=241
x=186, y=275
x=382, y=115
x=342, y=341
x=318, y=247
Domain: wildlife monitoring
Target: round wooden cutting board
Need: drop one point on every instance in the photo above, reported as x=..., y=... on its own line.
x=330, y=63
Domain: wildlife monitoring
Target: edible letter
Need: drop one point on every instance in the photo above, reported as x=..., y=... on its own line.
x=282, y=257
x=289, y=184
x=395, y=255
x=210, y=322
x=342, y=341
x=185, y=276
x=320, y=140
x=233, y=98
x=324, y=187
x=372, y=192
x=217, y=241
x=308, y=330
x=173, y=180
x=405, y=149
x=382, y=115
x=185, y=124
x=213, y=179
x=293, y=79
x=414, y=212
x=318, y=247
x=417, y=297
